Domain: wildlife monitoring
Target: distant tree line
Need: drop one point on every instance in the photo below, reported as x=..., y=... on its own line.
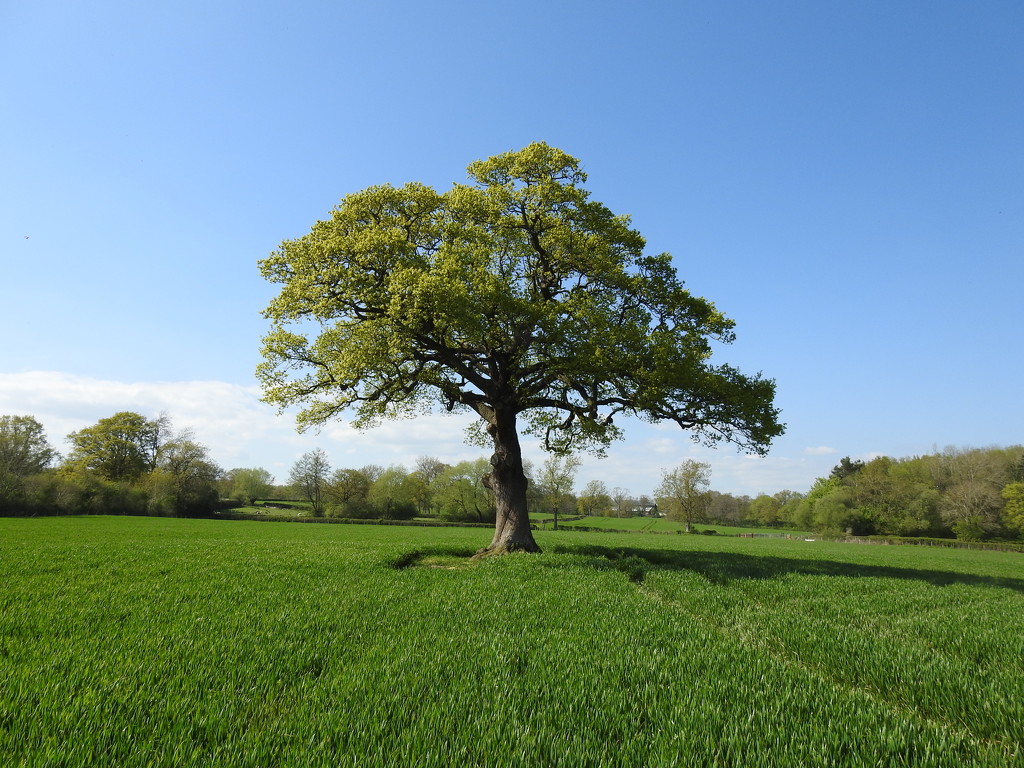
x=123, y=464
x=130, y=464
x=973, y=494
x=458, y=493
x=450, y=492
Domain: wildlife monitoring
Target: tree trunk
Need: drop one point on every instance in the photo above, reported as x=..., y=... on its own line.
x=507, y=480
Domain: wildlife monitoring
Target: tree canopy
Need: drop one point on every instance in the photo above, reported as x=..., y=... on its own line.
x=24, y=449
x=683, y=492
x=120, y=447
x=515, y=297
x=309, y=476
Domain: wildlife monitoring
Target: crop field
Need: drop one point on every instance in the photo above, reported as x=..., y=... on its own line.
x=158, y=642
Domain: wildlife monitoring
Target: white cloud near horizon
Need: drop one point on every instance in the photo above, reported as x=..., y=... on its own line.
x=241, y=431
x=820, y=450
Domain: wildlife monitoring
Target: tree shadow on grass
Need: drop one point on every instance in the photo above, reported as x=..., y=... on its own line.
x=723, y=567
x=427, y=555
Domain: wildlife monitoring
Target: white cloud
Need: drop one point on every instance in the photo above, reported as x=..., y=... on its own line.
x=871, y=455
x=662, y=446
x=240, y=431
x=820, y=450
x=229, y=419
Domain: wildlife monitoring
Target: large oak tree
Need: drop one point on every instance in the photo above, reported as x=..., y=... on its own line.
x=515, y=297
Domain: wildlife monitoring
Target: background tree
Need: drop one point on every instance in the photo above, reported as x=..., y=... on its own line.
x=1013, y=511
x=248, y=484
x=516, y=298
x=461, y=493
x=348, y=491
x=430, y=468
x=765, y=510
x=594, y=499
x=683, y=493
x=24, y=454
x=897, y=497
x=837, y=513
x=790, y=500
x=970, y=481
x=727, y=509
x=393, y=494
x=1015, y=470
x=12, y=494
x=803, y=516
x=185, y=479
x=24, y=449
x=534, y=492
x=557, y=475
x=957, y=492
x=620, y=501
x=846, y=468
x=425, y=475
x=309, y=478
x=121, y=447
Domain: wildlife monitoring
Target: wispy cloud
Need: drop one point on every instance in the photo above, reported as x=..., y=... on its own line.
x=820, y=450
x=229, y=419
x=241, y=431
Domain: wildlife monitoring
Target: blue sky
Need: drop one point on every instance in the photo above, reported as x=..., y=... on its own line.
x=844, y=180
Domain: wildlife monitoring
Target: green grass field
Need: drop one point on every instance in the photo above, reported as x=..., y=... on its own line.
x=157, y=642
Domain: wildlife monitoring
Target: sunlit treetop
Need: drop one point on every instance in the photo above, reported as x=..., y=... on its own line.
x=512, y=296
